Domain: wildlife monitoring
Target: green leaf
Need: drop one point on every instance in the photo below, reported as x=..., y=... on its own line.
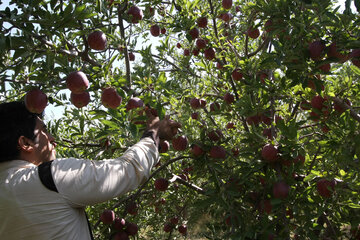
x=111, y=124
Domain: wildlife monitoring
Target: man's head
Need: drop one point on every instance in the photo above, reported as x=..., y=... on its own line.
x=23, y=135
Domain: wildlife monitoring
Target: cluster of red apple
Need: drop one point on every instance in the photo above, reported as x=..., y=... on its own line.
x=123, y=229
x=155, y=30
x=317, y=50
x=171, y=224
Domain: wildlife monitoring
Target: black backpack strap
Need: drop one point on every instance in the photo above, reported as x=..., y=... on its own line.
x=45, y=175
x=47, y=180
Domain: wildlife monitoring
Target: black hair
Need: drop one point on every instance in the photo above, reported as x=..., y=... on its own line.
x=15, y=121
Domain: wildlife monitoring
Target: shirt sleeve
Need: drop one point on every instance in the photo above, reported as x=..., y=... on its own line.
x=86, y=182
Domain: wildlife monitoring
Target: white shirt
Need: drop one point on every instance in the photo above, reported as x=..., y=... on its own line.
x=28, y=210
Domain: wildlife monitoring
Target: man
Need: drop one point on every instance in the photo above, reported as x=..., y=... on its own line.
x=42, y=197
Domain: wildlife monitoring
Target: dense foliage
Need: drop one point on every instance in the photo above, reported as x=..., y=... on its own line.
x=274, y=151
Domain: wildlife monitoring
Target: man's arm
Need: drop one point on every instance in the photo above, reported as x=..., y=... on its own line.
x=84, y=182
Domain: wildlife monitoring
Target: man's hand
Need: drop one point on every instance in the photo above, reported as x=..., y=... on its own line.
x=165, y=129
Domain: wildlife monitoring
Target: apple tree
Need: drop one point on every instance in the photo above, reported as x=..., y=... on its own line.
x=266, y=92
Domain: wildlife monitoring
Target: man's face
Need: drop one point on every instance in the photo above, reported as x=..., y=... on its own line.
x=44, y=143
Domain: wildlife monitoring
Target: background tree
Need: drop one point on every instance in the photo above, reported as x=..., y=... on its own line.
x=266, y=90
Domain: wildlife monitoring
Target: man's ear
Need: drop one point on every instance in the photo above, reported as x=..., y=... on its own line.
x=25, y=144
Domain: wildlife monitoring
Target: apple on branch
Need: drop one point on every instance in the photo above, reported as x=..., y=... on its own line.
x=80, y=99
x=281, y=190
x=226, y=4
x=97, y=40
x=164, y=146
x=77, y=82
x=155, y=30
x=161, y=184
x=269, y=153
x=135, y=14
x=202, y=22
x=107, y=216
x=325, y=187
x=134, y=102
x=110, y=98
x=194, y=33
x=180, y=143
x=35, y=101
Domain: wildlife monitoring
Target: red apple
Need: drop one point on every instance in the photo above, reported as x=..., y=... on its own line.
x=217, y=152
x=226, y=4
x=317, y=102
x=178, y=45
x=121, y=236
x=262, y=77
x=186, y=52
x=168, y=227
x=325, y=128
x=299, y=159
x=195, y=115
x=266, y=206
x=132, y=208
x=325, y=67
x=229, y=98
x=163, y=30
x=164, y=146
x=131, y=56
x=254, y=119
x=197, y=150
x=209, y=54
x=182, y=229
x=77, y=82
x=97, y=40
x=194, y=33
x=214, y=107
x=119, y=224
x=226, y=17
x=200, y=43
x=314, y=116
x=35, y=101
x=265, y=118
x=316, y=50
x=107, y=216
x=80, y=100
x=161, y=184
x=180, y=143
x=281, y=190
x=131, y=229
x=135, y=14
x=174, y=220
x=325, y=187
x=253, y=33
x=356, y=62
x=110, y=98
x=215, y=135
x=202, y=22
x=235, y=151
x=268, y=25
x=334, y=53
x=195, y=103
x=267, y=133
x=195, y=52
x=202, y=103
x=134, y=102
x=236, y=75
x=155, y=30
x=230, y=125
x=269, y=153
